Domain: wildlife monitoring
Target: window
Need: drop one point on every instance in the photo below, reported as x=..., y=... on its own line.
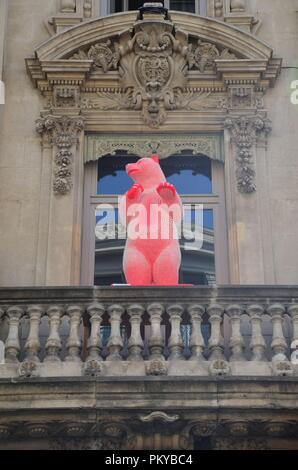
x=191, y=6
x=198, y=179
x=187, y=5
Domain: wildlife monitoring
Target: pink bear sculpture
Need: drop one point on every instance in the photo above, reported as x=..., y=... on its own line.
x=152, y=254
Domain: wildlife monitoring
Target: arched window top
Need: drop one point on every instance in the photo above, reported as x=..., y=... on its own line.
x=190, y=174
x=99, y=145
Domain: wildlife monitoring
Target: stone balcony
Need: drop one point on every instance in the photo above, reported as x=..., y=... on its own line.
x=124, y=331
x=149, y=368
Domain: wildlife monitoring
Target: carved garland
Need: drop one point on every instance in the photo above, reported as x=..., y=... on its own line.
x=244, y=132
x=63, y=133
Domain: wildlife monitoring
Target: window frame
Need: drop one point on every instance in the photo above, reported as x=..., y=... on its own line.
x=214, y=201
x=200, y=6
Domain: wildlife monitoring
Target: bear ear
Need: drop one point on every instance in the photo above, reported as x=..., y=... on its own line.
x=155, y=158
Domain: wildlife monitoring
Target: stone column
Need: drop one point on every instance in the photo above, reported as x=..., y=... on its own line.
x=53, y=344
x=12, y=344
x=245, y=232
x=257, y=343
x=216, y=342
x=135, y=344
x=278, y=345
x=74, y=341
x=63, y=207
x=32, y=345
x=95, y=312
x=155, y=342
x=236, y=340
x=293, y=312
x=197, y=343
x=115, y=343
x=175, y=342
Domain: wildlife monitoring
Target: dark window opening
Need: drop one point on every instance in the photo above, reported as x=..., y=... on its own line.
x=183, y=5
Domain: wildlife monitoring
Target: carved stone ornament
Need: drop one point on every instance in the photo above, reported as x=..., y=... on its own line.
x=145, y=144
x=244, y=133
x=159, y=416
x=153, y=67
x=28, y=369
x=92, y=368
x=157, y=367
x=282, y=369
x=105, y=55
x=62, y=132
x=219, y=367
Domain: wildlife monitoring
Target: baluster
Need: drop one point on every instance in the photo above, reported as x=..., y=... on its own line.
x=73, y=345
x=236, y=340
x=293, y=312
x=2, y=347
x=12, y=344
x=197, y=343
x=155, y=342
x=32, y=345
x=175, y=342
x=257, y=342
x=278, y=345
x=115, y=343
x=135, y=344
x=95, y=312
x=53, y=344
x=216, y=341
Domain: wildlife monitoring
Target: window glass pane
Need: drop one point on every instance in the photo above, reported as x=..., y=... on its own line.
x=183, y=5
x=116, y=6
x=198, y=258
x=190, y=174
x=135, y=4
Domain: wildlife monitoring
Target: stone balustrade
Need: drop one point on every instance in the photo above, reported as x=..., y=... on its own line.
x=125, y=331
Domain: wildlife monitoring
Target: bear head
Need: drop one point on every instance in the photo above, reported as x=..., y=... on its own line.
x=147, y=172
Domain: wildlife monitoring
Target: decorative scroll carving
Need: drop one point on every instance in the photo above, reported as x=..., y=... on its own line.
x=159, y=416
x=105, y=55
x=63, y=133
x=153, y=71
x=203, y=56
x=117, y=99
x=244, y=132
x=164, y=145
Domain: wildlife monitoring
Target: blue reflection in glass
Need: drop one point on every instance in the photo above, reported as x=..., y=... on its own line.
x=190, y=174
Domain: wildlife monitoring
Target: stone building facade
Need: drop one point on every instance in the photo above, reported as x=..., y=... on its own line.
x=211, y=86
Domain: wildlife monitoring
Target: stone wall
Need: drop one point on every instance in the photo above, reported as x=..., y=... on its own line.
x=266, y=242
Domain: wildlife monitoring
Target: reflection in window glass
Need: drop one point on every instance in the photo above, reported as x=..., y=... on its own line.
x=198, y=260
x=135, y=4
x=116, y=6
x=183, y=5
x=190, y=174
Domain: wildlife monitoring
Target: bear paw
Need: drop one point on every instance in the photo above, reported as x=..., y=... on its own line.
x=166, y=190
x=134, y=191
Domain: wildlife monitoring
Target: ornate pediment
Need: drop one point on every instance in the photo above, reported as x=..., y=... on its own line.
x=151, y=65
x=158, y=73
